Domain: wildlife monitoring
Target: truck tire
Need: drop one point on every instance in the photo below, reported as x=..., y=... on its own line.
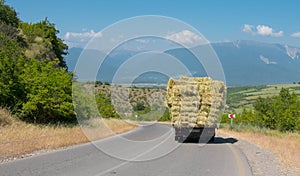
x=212, y=139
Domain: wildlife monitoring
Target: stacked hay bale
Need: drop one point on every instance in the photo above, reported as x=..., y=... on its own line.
x=195, y=102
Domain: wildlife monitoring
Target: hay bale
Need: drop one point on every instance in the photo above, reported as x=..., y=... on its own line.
x=195, y=102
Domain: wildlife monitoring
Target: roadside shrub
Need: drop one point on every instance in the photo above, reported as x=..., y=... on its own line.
x=83, y=99
x=105, y=106
x=166, y=116
x=49, y=93
x=139, y=106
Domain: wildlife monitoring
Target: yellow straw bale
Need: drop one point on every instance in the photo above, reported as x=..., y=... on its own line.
x=195, y=101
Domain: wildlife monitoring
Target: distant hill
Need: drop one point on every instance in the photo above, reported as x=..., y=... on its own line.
x=255, y=63
x=244, y=63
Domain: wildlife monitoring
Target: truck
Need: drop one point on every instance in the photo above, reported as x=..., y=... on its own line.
x=195, y=105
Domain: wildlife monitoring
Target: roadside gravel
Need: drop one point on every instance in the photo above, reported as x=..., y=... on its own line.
x=262, y=161
x=34, y=153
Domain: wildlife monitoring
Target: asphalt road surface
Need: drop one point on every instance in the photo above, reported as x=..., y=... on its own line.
x=147, y=150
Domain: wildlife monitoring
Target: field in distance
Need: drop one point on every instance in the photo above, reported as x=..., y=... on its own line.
x=239, y=97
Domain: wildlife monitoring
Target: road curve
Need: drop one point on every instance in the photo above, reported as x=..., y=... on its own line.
x=147, y=150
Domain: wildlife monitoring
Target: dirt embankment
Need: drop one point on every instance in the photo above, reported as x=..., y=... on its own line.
x=19, y=139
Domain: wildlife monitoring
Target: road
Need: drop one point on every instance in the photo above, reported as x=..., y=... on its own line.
x=147, y=150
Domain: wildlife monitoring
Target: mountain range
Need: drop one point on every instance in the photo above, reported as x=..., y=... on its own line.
x=244, y=63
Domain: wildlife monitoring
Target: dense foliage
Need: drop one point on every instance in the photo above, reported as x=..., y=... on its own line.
x=11, y=59
x=8, y=15
x=48, y=92
x=43, y=44
x=280, y=112
x=105, y=107
x=34, y=82
x=166, y=116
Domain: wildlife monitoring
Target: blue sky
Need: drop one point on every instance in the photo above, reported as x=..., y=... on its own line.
x=266, y=21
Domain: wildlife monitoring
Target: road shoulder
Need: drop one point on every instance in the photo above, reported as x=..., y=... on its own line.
x=261, y=161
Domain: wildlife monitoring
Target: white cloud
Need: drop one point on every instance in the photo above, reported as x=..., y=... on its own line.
x=268, y=31
x=262, y=30
x=74, y=39
x=248, y=28
x=185, y=37
x=296, y=34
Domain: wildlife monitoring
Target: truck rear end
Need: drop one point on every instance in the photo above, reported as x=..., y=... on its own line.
x=195, y=105
x=204, y=134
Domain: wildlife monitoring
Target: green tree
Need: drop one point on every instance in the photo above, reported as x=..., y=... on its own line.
x=83, y=102
x=288, y=113
x=288, y=122
x=8, y=15
x=278, y=112
x=166, y=116
x=43, y=42
x=11, y=90
x=265, y=114
x=48, y=93
x=105, y=107
x=247, y=117
x=106, y=83
x=34, y=81
x=98, y=83
x=139, y=106
x=9, y=47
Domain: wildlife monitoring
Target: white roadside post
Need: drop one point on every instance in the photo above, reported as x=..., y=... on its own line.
x=231, y=116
